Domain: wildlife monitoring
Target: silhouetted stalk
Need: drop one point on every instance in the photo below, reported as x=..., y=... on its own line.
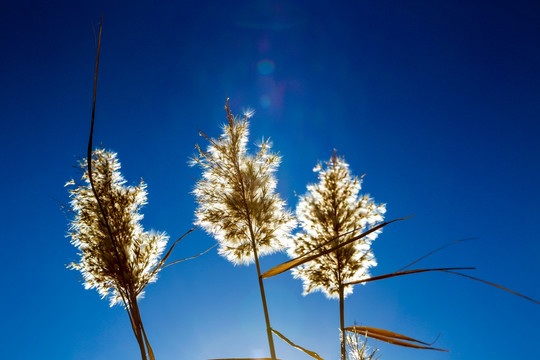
x=342, y=320
x=263, y=298
x=148, y=347
x=130, y=301
x=140, y=333
x=338, y=227
x=255, y=255
x=237, y=200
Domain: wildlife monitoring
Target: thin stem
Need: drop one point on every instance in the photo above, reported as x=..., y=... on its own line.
x=148, y=347
x=261, y=283
x=434, y=251
x=189, y=258
x=135, y=317
x=131, y=320
x=342, y=320
x=130, y=300
x=89, y=160
x=263, y=297
x=142, y=333
x=339, y=278
x=234, y=159
x=161, y=263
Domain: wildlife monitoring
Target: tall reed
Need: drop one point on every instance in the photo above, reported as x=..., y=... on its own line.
x=117, y=257
x=237, y=202
x=331, y=213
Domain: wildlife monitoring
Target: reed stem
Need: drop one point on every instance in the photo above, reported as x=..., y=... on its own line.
x=342, y=320
x=263, y=295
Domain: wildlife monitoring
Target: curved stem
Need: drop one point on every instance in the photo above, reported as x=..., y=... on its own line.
x=142, y=333
x=265, y=307
x=342, y=320
x=134, y=316
x=236, y=163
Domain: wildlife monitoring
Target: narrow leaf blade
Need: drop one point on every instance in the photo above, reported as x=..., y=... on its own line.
x=281, y=268
x=390, y=340
x=309, y=352
x=492, y=284
x=189, y=258
x=148, y=347
x=381, y=332
x=434, y=251
x=304, y=258
x=405, y=344
x=407, y=272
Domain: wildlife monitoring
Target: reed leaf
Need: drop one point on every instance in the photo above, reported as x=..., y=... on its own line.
x=492, y=284
x=161, y=264
x=309, y=352
x=173, y=245
x=281, y=268
x=148, y=347
x=436, y=250
x=191, y=257
x=407, y=272
x=446, y=270
x=390, y=337
x=382, y=332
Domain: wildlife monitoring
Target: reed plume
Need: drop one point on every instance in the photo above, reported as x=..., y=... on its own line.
x=333, y=212
x=117, y=257
x=358, y=349
x=237, y=202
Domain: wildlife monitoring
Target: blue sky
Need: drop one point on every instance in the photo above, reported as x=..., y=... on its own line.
x=436, y=102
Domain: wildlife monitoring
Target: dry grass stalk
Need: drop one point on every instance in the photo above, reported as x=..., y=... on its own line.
x=117, y=257
x=333, y=210
x=237, y=202
x=313, y=354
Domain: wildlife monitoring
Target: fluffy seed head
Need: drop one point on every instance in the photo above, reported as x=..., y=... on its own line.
x=128, y=262
x=236, y=197
x=334, y=209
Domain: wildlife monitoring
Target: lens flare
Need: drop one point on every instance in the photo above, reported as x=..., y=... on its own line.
x=265, y=101
x=265, y=67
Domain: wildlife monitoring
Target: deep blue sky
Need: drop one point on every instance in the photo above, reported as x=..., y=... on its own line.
x=437, y=102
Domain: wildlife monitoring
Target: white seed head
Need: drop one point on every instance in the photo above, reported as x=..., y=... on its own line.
x=357, y=348
x=248, y=112
x=113, y=268
x=333, y=209
x=236, y=197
